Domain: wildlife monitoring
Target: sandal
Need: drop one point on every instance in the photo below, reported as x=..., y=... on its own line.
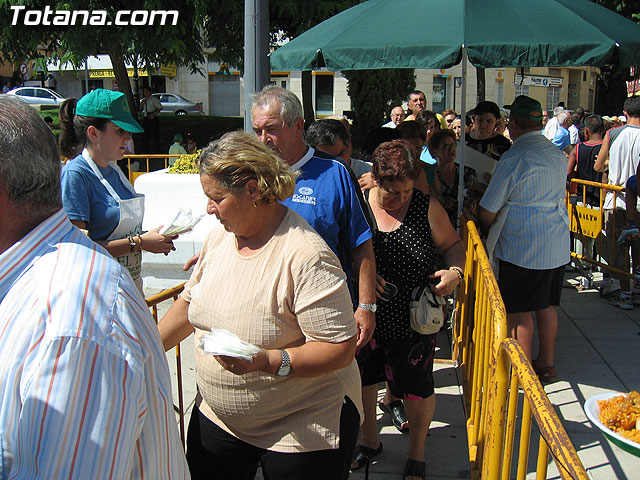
x=364, y=455
x=545, y=374
x=397, y=413
x=414, y=468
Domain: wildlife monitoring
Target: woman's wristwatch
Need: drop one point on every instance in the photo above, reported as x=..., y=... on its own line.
x=372, y=307
x=285, y=366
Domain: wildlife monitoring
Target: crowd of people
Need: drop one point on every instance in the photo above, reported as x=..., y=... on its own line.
x=315, y=262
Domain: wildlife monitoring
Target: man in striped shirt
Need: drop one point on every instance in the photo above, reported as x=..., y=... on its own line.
x=85, y=390
x=531, y=233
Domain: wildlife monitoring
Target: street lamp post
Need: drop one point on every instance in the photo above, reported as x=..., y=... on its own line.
x=256, y=49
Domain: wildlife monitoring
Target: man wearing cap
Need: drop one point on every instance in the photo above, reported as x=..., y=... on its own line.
x=86, y=391
x=529, y=237
x=96, y=195
x=176, y=148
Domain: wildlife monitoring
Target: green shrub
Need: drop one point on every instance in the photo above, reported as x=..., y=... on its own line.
x=203, y=128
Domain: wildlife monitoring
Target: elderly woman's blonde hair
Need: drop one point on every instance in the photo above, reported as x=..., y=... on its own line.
x=238, y=157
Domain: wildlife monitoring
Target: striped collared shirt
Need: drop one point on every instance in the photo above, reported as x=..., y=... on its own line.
x=530, y=180
x=85, y=390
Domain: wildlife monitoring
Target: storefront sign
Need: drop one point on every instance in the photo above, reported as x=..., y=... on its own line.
x=108, y=73
x=537, y=81
x=168, y=70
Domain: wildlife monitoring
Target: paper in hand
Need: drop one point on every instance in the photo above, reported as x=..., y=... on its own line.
x=223, y=342
x=183, y=222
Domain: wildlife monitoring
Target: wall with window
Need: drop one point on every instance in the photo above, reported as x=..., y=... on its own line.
x=575, y=86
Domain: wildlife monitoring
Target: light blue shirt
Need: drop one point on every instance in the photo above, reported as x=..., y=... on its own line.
x=86, y=391
x=530, y=179
x=562, y=138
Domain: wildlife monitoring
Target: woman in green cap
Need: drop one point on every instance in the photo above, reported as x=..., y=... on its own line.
x=95, y=193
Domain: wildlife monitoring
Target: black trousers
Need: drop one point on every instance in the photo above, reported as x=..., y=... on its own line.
x=212, y=453
x=151, y=136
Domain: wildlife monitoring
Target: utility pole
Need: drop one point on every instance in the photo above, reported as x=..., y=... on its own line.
x=257, y=71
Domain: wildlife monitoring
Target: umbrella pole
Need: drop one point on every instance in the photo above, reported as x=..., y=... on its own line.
x=463, y=118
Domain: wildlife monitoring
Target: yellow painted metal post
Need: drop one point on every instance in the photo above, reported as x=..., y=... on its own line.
x=543, y=459
x=511, y=424
x=525, y=433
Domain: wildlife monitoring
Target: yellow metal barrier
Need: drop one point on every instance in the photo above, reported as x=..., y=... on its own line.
x=152, y=303
x=481, y=326
x=584, y=222
x=490, y=391
x=144, y=162
x=513, y=370
x=493, y=367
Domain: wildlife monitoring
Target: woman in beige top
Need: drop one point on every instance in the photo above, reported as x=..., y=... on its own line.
x=265, y=275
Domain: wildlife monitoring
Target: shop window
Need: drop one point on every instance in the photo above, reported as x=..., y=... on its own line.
x=324, y=94
x=553, y=97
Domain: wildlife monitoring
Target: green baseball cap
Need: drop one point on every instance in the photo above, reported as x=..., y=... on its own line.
x=525, y=107
x=103, y=103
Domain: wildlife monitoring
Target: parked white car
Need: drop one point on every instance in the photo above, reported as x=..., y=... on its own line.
x=177, y=104
x=37, y=95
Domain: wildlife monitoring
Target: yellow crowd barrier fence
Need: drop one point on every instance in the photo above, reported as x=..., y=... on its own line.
x=587, y=223
x=492, y=368
x=144, y=163
x=171, y=294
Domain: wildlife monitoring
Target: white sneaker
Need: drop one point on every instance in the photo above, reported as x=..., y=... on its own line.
x=622, y=301
x=636, y=298
x=607, y=291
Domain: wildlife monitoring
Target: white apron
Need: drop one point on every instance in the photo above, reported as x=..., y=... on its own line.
x=131, y=214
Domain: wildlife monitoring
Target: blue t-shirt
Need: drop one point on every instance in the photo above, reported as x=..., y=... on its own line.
x=85, y=198
x=325, y=197
x=562, y=138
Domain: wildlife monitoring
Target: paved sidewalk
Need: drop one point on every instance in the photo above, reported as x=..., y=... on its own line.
x=598, y=350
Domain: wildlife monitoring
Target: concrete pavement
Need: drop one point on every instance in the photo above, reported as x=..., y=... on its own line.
x=598, y=350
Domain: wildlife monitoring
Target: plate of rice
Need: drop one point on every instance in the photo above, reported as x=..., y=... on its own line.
x=618, y=416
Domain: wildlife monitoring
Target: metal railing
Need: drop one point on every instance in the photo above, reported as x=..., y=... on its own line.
x=493, y=367
x=588, y=221
x=479, y=329
x=152, y=303
x=490, y=382
x=514, y=374
x=145, y=162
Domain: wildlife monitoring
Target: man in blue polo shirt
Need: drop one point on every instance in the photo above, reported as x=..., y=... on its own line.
x=325, y=196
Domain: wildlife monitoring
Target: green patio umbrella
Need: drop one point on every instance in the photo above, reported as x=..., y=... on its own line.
x=442, y=33
x=495, y=33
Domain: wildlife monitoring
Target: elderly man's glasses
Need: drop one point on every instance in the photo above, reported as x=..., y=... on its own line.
x=449, y=146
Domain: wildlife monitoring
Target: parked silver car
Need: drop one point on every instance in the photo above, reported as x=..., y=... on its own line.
x=179, y=105
x=37, y=95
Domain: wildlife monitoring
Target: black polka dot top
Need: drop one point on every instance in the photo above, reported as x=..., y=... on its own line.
x=405, y=257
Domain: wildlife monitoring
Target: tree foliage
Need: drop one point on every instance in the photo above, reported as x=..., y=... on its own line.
x=152, y=45
x=373, y=93
x=612, y=87
x=224, y=25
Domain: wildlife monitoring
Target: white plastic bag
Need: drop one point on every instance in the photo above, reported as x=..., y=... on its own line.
x=224, y=342
x=183, y=222
x=426, y=314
